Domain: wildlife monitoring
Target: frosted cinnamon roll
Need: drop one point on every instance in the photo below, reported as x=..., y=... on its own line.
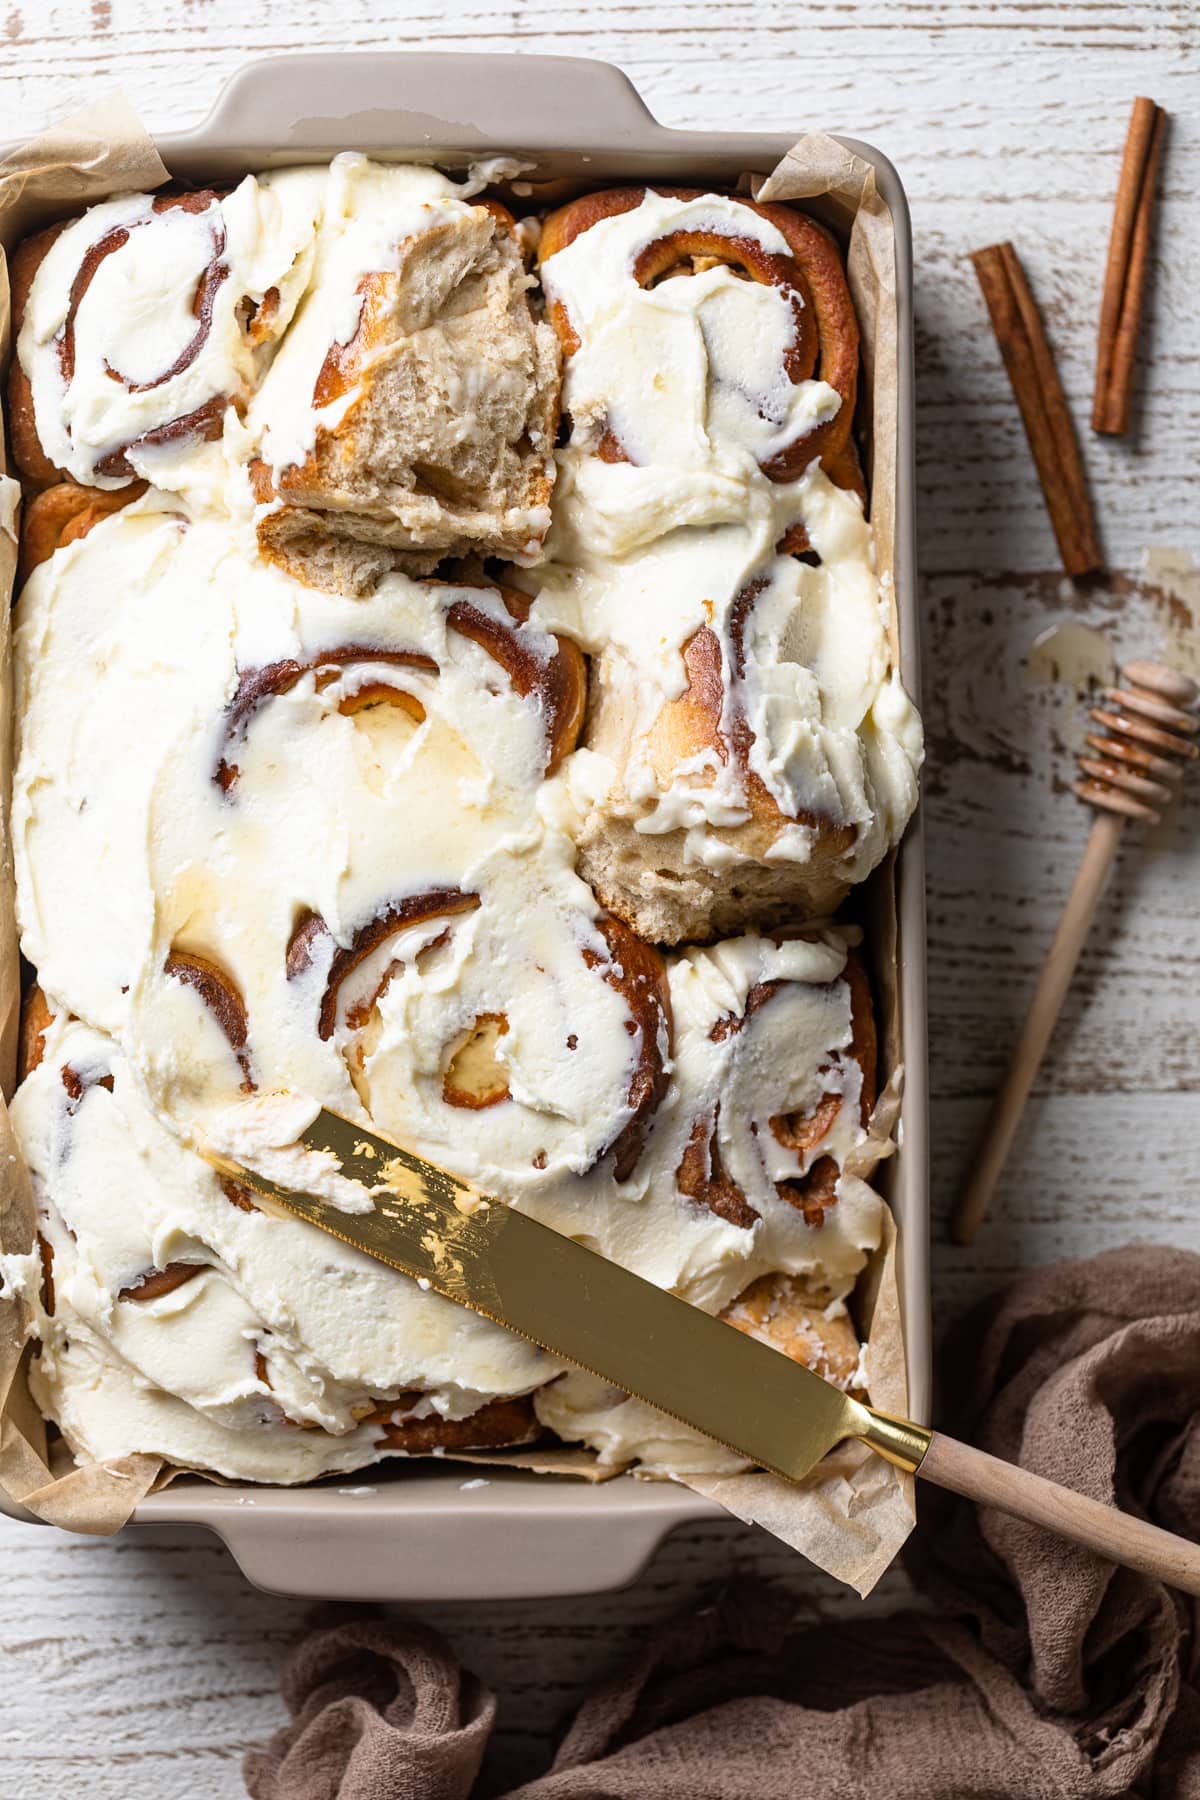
x=763, y=1135
x=709, y=341
x=140, y=324
x=176, y=1317
x=750, y=749
x=505, y=1032
x=412, y=410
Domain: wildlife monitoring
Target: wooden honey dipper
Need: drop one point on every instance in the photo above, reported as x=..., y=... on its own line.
x=1130, y=770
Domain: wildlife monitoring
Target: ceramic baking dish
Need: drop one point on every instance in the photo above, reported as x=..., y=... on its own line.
x=426, y=1531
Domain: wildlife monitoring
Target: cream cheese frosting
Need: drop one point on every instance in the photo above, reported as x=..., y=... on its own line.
x=370, y=212
x=833, y=731
x=687, y=373
x=331, y=855
x=179, y=309
x=682, y=534
x=132, y=648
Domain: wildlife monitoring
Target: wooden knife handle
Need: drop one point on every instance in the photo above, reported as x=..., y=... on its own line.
x=1112, y=1534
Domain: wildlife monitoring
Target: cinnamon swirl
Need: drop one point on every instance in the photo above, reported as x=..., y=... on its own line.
x=140, y=324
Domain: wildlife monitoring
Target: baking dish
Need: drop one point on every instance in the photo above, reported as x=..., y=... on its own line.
x=424, y=1531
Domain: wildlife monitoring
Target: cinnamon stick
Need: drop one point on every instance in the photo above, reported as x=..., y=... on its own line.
x=1044, y=412
x=1127, y=268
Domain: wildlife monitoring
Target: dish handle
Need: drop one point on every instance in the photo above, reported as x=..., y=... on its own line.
x=399, y=100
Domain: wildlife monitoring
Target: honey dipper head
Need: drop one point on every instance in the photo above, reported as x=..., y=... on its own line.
x=1146, y=734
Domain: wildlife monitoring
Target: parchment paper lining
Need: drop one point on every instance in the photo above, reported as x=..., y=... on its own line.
x=852, y=1515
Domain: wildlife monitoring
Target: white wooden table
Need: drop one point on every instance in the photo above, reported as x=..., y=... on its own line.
x=144, y=1667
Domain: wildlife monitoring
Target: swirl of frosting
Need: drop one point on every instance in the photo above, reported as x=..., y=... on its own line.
x=755, y=352
x=175, y=1314
x=140, y=323
x=327, y=852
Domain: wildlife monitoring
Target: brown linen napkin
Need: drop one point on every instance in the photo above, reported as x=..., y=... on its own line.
x=1047, y=1673
x=378, y=1710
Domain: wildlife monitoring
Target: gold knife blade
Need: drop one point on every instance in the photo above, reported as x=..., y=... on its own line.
x=481, y=1253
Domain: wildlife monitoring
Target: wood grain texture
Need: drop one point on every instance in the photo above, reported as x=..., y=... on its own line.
x=145, y=1666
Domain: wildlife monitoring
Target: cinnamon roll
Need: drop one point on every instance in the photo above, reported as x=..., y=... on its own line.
x=711, y=357
x=175, y=1315
x=412, y=410
x=762, y=1138
x=752, y=752
x=142, y=323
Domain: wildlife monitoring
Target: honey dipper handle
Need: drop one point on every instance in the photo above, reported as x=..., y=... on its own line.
x=1116, y=1535
x=1001, y=1128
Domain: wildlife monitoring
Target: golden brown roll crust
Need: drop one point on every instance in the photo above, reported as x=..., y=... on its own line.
x=637, y=972
x=803, y=1321
x=61, y=515
x=499, y=1424
x=36, y=1018
x=28, y=455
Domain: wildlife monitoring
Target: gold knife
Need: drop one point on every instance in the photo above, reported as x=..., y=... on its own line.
x=481, y=1253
